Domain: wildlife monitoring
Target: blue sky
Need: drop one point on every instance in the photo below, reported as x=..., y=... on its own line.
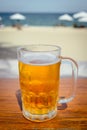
x=43, y=5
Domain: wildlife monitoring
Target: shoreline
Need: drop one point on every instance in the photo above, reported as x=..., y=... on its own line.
x=43, y=27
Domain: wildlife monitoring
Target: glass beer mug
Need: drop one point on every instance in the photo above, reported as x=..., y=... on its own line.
x=39, y=75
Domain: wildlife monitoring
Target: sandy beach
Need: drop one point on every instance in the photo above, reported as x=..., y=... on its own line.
x=72, y=41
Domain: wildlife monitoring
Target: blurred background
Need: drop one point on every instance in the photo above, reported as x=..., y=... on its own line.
x=62, y=23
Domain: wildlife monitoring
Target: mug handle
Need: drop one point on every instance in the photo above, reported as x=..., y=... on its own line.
x=74, y=76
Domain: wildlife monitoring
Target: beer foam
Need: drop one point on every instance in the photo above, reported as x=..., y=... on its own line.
x=39, y=58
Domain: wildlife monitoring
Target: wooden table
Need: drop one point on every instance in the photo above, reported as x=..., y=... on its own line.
x=72, y=116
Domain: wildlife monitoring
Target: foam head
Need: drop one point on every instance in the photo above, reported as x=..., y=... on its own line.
x=39, y=58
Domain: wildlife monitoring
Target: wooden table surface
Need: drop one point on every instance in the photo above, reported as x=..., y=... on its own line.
x=73, y=115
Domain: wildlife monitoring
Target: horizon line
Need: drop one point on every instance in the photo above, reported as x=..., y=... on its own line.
x=40, y=11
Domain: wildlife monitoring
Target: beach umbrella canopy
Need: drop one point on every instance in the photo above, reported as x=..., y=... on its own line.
x=17, y=16
x=66, y=17
x=80, y=14
x=84, y=19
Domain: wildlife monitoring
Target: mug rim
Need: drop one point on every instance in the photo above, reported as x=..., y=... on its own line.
x=25, y=47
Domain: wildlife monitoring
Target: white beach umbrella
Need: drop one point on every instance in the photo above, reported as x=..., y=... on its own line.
x=83, y=19
x=66, y=17
x=17, y=16
x=80, y=14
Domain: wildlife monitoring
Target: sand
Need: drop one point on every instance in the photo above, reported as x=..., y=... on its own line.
x=73, y=41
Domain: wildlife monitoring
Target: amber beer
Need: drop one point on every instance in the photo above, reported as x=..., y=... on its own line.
x=39, y=81
x=39, y=75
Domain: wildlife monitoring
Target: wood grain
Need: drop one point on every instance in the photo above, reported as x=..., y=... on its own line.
x=74, y=115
